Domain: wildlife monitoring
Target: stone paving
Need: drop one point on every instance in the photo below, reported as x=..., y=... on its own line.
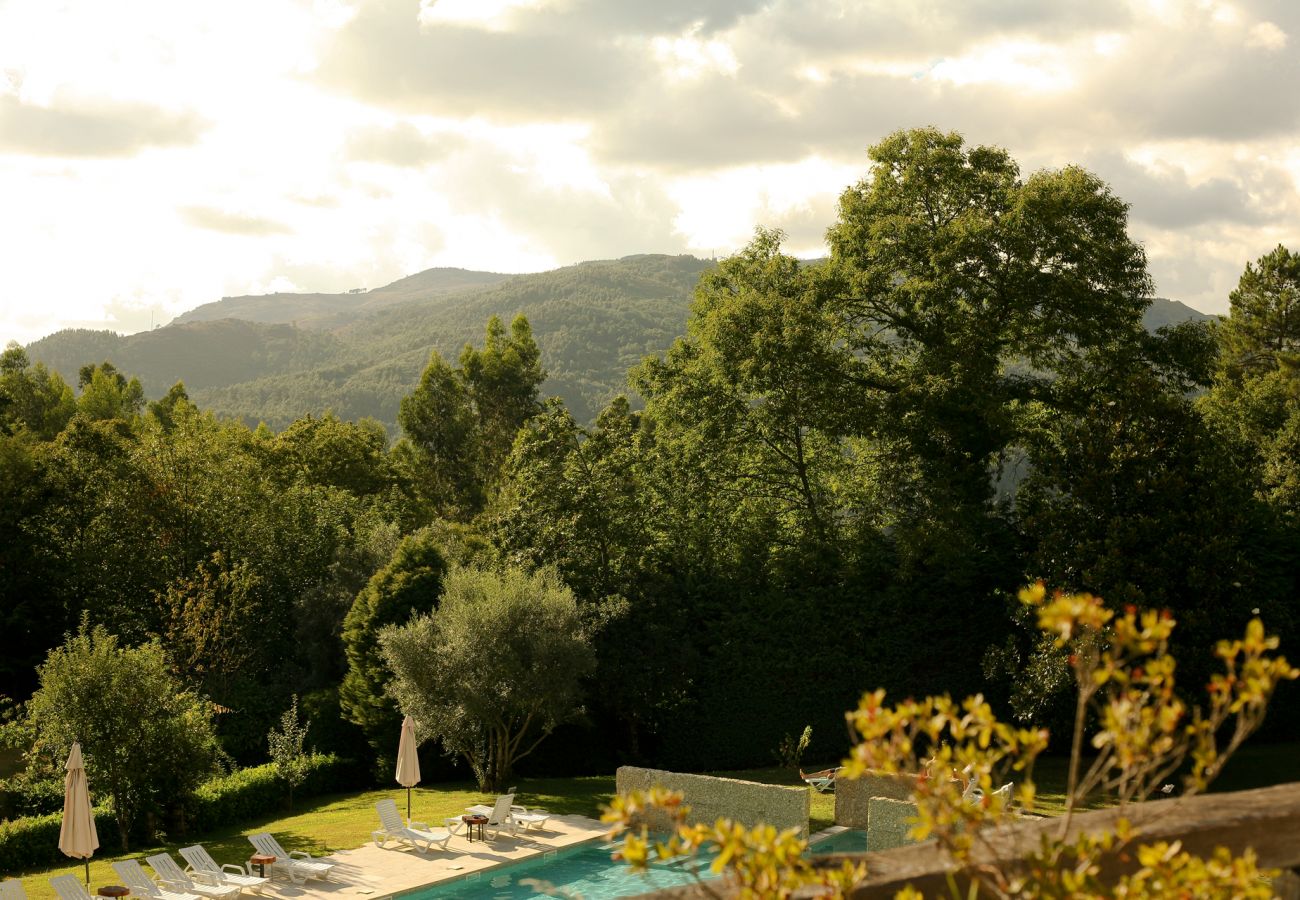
x=375, y=873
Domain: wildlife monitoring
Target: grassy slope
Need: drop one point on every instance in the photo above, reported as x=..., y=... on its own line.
x=326, y=824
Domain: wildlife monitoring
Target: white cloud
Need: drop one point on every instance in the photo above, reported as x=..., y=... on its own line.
x=1266, y=36
x=183, y=151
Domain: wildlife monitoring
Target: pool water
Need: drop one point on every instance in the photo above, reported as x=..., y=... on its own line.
x=854, y=840
x=585, y=871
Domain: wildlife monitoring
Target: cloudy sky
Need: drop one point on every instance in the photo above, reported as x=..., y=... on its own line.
x=155, y=155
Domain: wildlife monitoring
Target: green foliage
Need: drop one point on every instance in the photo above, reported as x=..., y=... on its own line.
x=495, y=669
x=461, y=423
x=107, y=394
x=411, y=582
x=252, y=793
x=32, y=397
x=288, y=757
x=32, y=842
x=789, y=753
x=1262, y=331
x=147, y=742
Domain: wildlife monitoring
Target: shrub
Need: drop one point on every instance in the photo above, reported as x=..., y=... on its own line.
x=256, y=791
x=32, y=842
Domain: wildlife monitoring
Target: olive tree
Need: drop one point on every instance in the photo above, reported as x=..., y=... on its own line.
x=146, y=740
x=494, y=669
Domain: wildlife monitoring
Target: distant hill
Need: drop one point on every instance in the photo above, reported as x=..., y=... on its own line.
x=278, y=357
x=592, y=321
x=331, y=310
x=1164, y=312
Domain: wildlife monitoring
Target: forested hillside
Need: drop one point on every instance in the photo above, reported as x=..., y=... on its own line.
x=592, y=322
x=332, y=310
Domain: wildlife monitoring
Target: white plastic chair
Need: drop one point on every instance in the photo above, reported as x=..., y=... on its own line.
x=391, y=827
x=174, y=878
x=199, y=861
x=141, y=885
x=297, y=866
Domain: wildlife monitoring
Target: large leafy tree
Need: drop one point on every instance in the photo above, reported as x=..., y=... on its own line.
x=959, y=269
x=147, y=741
x=495, y=669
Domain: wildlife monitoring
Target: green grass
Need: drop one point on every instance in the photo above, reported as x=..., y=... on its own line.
x=340, y=822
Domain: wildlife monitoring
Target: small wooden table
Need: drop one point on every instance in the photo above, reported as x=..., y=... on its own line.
x=113, y=890
x=472, y=821
x=261, y=860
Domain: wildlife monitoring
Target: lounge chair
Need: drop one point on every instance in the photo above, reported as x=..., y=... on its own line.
x=821, y=781
x=12, y=889
x=69, y=887
x=175, y=879
x=200, y=862
x=391, y=827
x=525, y=820
x=296, y=866
x=141, y=885
x=499, y=817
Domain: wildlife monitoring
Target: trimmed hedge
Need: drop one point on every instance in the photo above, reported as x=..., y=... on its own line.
x=255, y=791
x=32, y=842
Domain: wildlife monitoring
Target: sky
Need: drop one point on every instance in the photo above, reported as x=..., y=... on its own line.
x=156, y=155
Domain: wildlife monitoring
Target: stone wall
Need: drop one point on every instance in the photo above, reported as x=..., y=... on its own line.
x=853, y=796
x=889, y=821
x=711, y=798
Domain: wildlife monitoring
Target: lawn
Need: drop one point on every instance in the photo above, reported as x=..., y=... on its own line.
x=325, y=824
x=340, y=822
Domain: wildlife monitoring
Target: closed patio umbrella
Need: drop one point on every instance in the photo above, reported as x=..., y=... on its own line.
x=408, y=762
x=77, y=837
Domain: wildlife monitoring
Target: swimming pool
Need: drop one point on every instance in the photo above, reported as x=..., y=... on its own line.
x=585, y=870
x=852, y=840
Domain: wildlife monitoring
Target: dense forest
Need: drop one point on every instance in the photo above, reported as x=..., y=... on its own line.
x=806, y=506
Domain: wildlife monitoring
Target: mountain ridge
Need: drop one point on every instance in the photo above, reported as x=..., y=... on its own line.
x=592, y=321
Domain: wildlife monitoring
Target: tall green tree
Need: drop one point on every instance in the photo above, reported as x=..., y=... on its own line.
x=411, y=582
x=957, y=268
x=107, y=394
x=32, y=397
x=495, y=669
x=1262, y=331
x=147, y=741
x=460, y=423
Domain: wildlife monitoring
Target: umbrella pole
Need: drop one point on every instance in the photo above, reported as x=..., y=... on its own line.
x=408, y=804
x=88, y=874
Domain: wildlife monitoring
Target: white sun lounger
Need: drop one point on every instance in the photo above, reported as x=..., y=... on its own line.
x=392, y=828
x=297, y=866
x=175, y=879
x=69, y=887
x=12, y=889
x=499, y=817
x=199, y=861
x=141, y=885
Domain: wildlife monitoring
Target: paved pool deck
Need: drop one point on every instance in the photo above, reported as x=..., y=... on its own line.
x=375, y=873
